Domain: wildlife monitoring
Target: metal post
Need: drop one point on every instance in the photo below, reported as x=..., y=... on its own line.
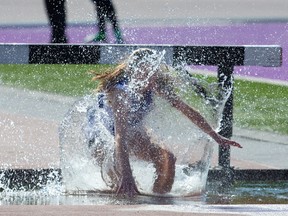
x=225, y=80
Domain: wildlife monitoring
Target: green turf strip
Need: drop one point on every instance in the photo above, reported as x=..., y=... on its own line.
x=70, y=80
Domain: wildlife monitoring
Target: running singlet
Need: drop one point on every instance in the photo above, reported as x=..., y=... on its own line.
x=139, y=107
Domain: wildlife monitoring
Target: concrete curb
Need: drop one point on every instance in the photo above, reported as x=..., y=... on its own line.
x=260, y=136
x=145, y=210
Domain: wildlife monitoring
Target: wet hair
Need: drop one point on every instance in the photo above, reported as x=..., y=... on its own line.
x=110, y=77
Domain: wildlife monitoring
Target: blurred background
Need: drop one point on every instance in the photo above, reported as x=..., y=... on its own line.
x=151, y=12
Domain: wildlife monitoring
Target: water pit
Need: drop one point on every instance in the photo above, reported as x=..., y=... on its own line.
x=51, y=192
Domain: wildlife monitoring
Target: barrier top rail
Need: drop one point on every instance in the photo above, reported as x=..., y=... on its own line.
x=267, y=55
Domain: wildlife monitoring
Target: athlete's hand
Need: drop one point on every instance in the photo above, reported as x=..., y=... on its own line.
x=127, y=187
x=226, y=142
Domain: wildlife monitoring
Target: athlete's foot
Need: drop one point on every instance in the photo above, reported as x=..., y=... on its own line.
x=118, y=36
x=95, y=38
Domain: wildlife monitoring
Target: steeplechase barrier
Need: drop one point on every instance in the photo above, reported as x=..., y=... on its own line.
x=224, y=57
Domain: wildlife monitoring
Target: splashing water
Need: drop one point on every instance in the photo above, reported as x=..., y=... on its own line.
x=154, y=60
x=167, y=127
x=77, y=164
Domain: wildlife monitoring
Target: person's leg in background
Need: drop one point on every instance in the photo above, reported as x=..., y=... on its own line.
x=101, y=20
x=56, y=12
x=111, y=15
x=105, y=10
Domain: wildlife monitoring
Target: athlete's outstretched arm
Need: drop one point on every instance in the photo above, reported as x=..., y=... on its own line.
x=198, y=120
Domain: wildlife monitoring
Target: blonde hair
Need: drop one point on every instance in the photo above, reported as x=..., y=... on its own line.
x=109, y=78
